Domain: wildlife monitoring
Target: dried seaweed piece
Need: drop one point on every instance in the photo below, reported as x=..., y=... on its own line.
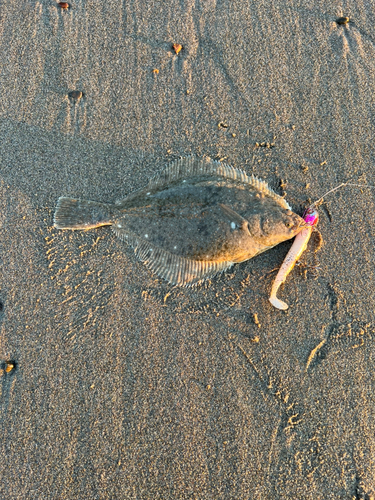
x=177, y=47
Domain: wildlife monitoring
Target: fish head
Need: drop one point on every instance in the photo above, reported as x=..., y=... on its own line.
x=276, y=226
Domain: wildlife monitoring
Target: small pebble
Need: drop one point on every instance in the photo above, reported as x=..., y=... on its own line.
x=177, y=47
x=155, y=71
x=9, y=366
x=342, y=20
x=63, y=5
x=76, y=95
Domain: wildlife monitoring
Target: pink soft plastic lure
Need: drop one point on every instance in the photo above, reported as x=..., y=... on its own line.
x=311, y=217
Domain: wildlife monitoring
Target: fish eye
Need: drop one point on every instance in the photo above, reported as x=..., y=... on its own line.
x=288, y=225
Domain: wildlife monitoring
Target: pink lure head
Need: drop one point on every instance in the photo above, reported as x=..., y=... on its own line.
x=311, y=216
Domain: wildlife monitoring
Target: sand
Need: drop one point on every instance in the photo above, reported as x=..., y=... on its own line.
x=127, y=388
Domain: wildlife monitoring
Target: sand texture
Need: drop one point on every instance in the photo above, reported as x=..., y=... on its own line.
x=125, y=387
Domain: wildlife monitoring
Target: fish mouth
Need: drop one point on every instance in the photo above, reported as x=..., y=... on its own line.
x=299, y=225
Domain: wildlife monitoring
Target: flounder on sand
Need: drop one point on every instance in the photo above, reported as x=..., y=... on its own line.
x=195, y=219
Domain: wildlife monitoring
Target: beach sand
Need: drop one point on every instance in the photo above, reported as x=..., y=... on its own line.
x=125, y=387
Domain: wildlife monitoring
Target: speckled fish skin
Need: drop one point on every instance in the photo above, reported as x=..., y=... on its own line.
x=195, y=219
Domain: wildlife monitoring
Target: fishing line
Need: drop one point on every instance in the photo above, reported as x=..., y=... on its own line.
x=343, y=184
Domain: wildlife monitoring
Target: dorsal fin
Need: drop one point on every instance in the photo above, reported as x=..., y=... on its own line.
x=191, y=166
x=173, y=268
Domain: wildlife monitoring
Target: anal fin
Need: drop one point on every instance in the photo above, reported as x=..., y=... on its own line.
x=173, y=268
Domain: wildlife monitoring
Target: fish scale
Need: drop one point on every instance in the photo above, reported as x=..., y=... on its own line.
x=195, y=219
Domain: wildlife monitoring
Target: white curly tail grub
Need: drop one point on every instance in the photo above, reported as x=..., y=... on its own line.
x=299, y=246
x=300, y=243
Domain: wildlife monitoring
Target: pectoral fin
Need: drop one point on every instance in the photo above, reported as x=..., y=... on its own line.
x=235, y=218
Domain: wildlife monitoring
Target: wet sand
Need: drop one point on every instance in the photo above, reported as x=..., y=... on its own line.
x=125, y=387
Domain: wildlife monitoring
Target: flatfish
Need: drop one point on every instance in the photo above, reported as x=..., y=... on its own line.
x=195, y=219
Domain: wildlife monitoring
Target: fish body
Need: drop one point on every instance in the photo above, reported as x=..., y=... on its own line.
x=197, y=218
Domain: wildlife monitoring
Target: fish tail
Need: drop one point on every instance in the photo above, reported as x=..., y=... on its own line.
x=81, y=214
